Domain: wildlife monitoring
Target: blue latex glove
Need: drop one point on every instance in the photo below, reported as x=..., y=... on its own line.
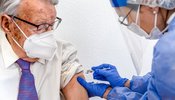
x=93, y=89
x=118, y=3
x=106, y=72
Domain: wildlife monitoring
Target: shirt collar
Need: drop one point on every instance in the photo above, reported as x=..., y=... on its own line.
x=8, y=54
x=42, y=61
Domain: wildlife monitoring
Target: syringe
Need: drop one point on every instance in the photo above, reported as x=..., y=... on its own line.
x=89, y=71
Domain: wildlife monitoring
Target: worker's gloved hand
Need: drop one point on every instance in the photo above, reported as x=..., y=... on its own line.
x=93, y=89
x=106, y=72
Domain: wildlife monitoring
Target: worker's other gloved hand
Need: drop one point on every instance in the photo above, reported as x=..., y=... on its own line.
x=107, y=72
x=93, y=89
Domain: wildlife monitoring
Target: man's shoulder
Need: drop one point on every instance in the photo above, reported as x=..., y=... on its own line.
x=61, y=41
x=64, y=44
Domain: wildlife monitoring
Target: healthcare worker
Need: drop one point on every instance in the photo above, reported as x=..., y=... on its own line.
x=159, y=83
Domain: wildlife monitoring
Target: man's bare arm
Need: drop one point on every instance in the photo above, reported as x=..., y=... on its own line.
x=74, y=91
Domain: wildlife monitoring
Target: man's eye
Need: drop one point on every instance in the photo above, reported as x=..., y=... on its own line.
x=41, y=27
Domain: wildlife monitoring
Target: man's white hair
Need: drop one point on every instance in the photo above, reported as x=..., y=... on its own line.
x=10, y=6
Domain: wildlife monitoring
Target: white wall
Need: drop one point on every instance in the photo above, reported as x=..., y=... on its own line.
x=91, y=25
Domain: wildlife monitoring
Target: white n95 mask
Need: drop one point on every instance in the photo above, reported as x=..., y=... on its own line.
x=41, y=45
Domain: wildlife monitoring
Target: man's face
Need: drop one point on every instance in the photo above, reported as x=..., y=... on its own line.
x=34, y=11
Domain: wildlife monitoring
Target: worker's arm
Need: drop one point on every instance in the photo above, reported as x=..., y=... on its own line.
x=107, y=72
x=139, y=83
x=74, y=91
x=105, y=91
x=123, y=93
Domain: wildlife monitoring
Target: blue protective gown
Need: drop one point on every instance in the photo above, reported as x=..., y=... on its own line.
x=160, y=83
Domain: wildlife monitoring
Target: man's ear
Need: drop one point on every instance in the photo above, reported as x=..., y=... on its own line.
x=5, y=21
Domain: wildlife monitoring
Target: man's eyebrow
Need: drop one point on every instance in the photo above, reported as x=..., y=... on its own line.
x=43, y=21
x=40, y=21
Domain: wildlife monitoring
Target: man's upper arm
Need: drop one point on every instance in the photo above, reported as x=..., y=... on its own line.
x=74, y=91
x=71, y=69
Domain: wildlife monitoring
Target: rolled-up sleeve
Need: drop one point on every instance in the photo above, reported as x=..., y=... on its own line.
x=70, y=64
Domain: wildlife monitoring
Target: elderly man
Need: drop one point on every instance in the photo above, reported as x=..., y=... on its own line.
x=33, y=65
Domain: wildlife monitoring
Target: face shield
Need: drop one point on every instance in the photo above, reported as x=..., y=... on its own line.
x=128, y=14
x=131, y=22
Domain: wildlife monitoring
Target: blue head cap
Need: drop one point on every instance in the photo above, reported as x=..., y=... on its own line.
x=118, y=3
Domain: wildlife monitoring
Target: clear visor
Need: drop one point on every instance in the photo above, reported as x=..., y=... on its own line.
x=128, y=14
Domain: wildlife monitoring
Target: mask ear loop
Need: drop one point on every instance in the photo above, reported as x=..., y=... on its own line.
x=155, y=22
x=17, y=43
x=20, y=29
x=21, y=32
x=155, y=19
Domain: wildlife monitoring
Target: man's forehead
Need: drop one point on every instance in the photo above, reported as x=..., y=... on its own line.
x=37, y=8
x=53, y=2
x=36, y=4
